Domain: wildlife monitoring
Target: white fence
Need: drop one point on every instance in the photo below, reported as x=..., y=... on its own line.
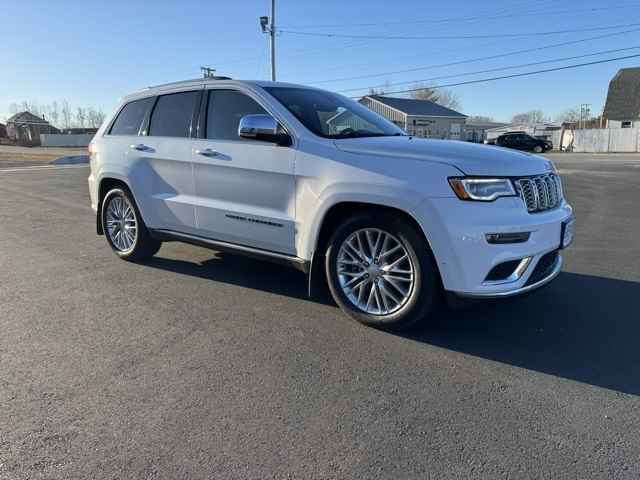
x=613, y=140
x=60, y=140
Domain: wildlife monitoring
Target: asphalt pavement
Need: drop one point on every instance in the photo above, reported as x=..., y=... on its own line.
x=203, y=365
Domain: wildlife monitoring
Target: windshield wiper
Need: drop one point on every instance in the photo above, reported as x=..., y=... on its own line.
x=360, y=134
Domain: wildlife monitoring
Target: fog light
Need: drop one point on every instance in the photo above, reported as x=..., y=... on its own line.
x=501, y=238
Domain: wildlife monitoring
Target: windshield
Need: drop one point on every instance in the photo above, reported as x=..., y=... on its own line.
x=330, y=115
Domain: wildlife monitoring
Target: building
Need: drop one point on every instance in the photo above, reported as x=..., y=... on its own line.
x=622, y=109
x=3, y=130
x=24, y=128
x=421, y=118
x=477, y=131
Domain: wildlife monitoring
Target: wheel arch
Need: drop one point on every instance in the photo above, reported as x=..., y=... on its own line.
x=336, y=214
x=107, y=183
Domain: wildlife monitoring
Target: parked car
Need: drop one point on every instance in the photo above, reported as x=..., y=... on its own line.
x=311, y=179
x=523, y=141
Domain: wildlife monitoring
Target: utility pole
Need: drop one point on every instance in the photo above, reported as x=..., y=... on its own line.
x=273, y=40
x=208, y=72
x=270, y=28
x=585, y=111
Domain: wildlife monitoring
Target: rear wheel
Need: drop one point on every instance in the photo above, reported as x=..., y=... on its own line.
x=124, y=228
x=380, y=272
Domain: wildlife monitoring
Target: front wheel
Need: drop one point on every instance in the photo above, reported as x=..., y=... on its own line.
x=381, y=272
x=124, y=228
x=538, y=149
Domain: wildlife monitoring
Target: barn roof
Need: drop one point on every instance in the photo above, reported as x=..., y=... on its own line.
x=412, y=106
x=27, y=117
x=623, y=98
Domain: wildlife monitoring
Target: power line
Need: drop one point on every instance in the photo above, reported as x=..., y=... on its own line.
x=323, y=49
x=478, y=59
x=458, y=37
x=515, y=75
x=291, y=53
x=296, y=52
x=498, y=69
x=461, y=19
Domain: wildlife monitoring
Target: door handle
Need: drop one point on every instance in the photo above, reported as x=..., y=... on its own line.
x=141, y=147
x=206, y=152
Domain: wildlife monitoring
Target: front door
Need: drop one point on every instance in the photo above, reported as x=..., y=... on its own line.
x=245, y=188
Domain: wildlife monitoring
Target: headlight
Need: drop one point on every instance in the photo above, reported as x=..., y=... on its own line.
x=482, y=189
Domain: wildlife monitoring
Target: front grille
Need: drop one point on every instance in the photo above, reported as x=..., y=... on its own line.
x=540, y=193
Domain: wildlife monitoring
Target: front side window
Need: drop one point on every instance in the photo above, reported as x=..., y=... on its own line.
x=224, y=111
x=330, y=115
x=172, y=115
x=131, y=117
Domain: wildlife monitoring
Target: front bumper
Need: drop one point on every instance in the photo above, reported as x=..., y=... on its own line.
x=457, y=231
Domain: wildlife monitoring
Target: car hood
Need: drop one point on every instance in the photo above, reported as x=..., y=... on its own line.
x=470, y=158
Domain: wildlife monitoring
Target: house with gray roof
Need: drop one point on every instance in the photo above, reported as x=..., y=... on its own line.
x=421, y=118
x=24, y=128
x=622, y=109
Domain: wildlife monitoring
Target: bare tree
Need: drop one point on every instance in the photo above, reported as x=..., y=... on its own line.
x=95, y=117
x=81, y=117
x=380, y=90
x=53, y=113
x=569, y=115
x=446, y=98
x=530, y=117
x=480, y=119
x=60, y=114
x=101, y=116
x=65, y=113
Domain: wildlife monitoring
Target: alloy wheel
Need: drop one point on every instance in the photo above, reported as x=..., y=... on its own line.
x=375, y=271
x=121, y=224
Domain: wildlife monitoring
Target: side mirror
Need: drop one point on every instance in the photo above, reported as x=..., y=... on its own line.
x=263, y=127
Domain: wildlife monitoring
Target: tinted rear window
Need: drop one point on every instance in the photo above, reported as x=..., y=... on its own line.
x=131, y=116
x=172, y=114
x=226, y=108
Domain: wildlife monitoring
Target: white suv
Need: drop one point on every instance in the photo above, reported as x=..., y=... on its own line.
x=307, y=177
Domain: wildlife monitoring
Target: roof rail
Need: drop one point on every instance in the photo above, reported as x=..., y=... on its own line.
x=192, y=80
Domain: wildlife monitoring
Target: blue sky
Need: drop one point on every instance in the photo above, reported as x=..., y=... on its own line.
x=91, y=53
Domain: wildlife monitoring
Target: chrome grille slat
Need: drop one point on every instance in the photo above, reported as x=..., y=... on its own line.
x=541, y=192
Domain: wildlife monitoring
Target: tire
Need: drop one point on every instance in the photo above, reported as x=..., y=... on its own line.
x=134, y=243
x=538, y=149
x=398, y=300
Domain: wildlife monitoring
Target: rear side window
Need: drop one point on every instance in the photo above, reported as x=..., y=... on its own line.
x=172, y=115
x=131, y=116
x=226, y=108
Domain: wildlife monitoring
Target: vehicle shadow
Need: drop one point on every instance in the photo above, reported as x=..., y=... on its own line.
x=580, y=327
x=245, y=272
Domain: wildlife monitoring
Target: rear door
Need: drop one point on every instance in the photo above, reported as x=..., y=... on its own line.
x=245, y=188
x=163, y=168
x=123, y=133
